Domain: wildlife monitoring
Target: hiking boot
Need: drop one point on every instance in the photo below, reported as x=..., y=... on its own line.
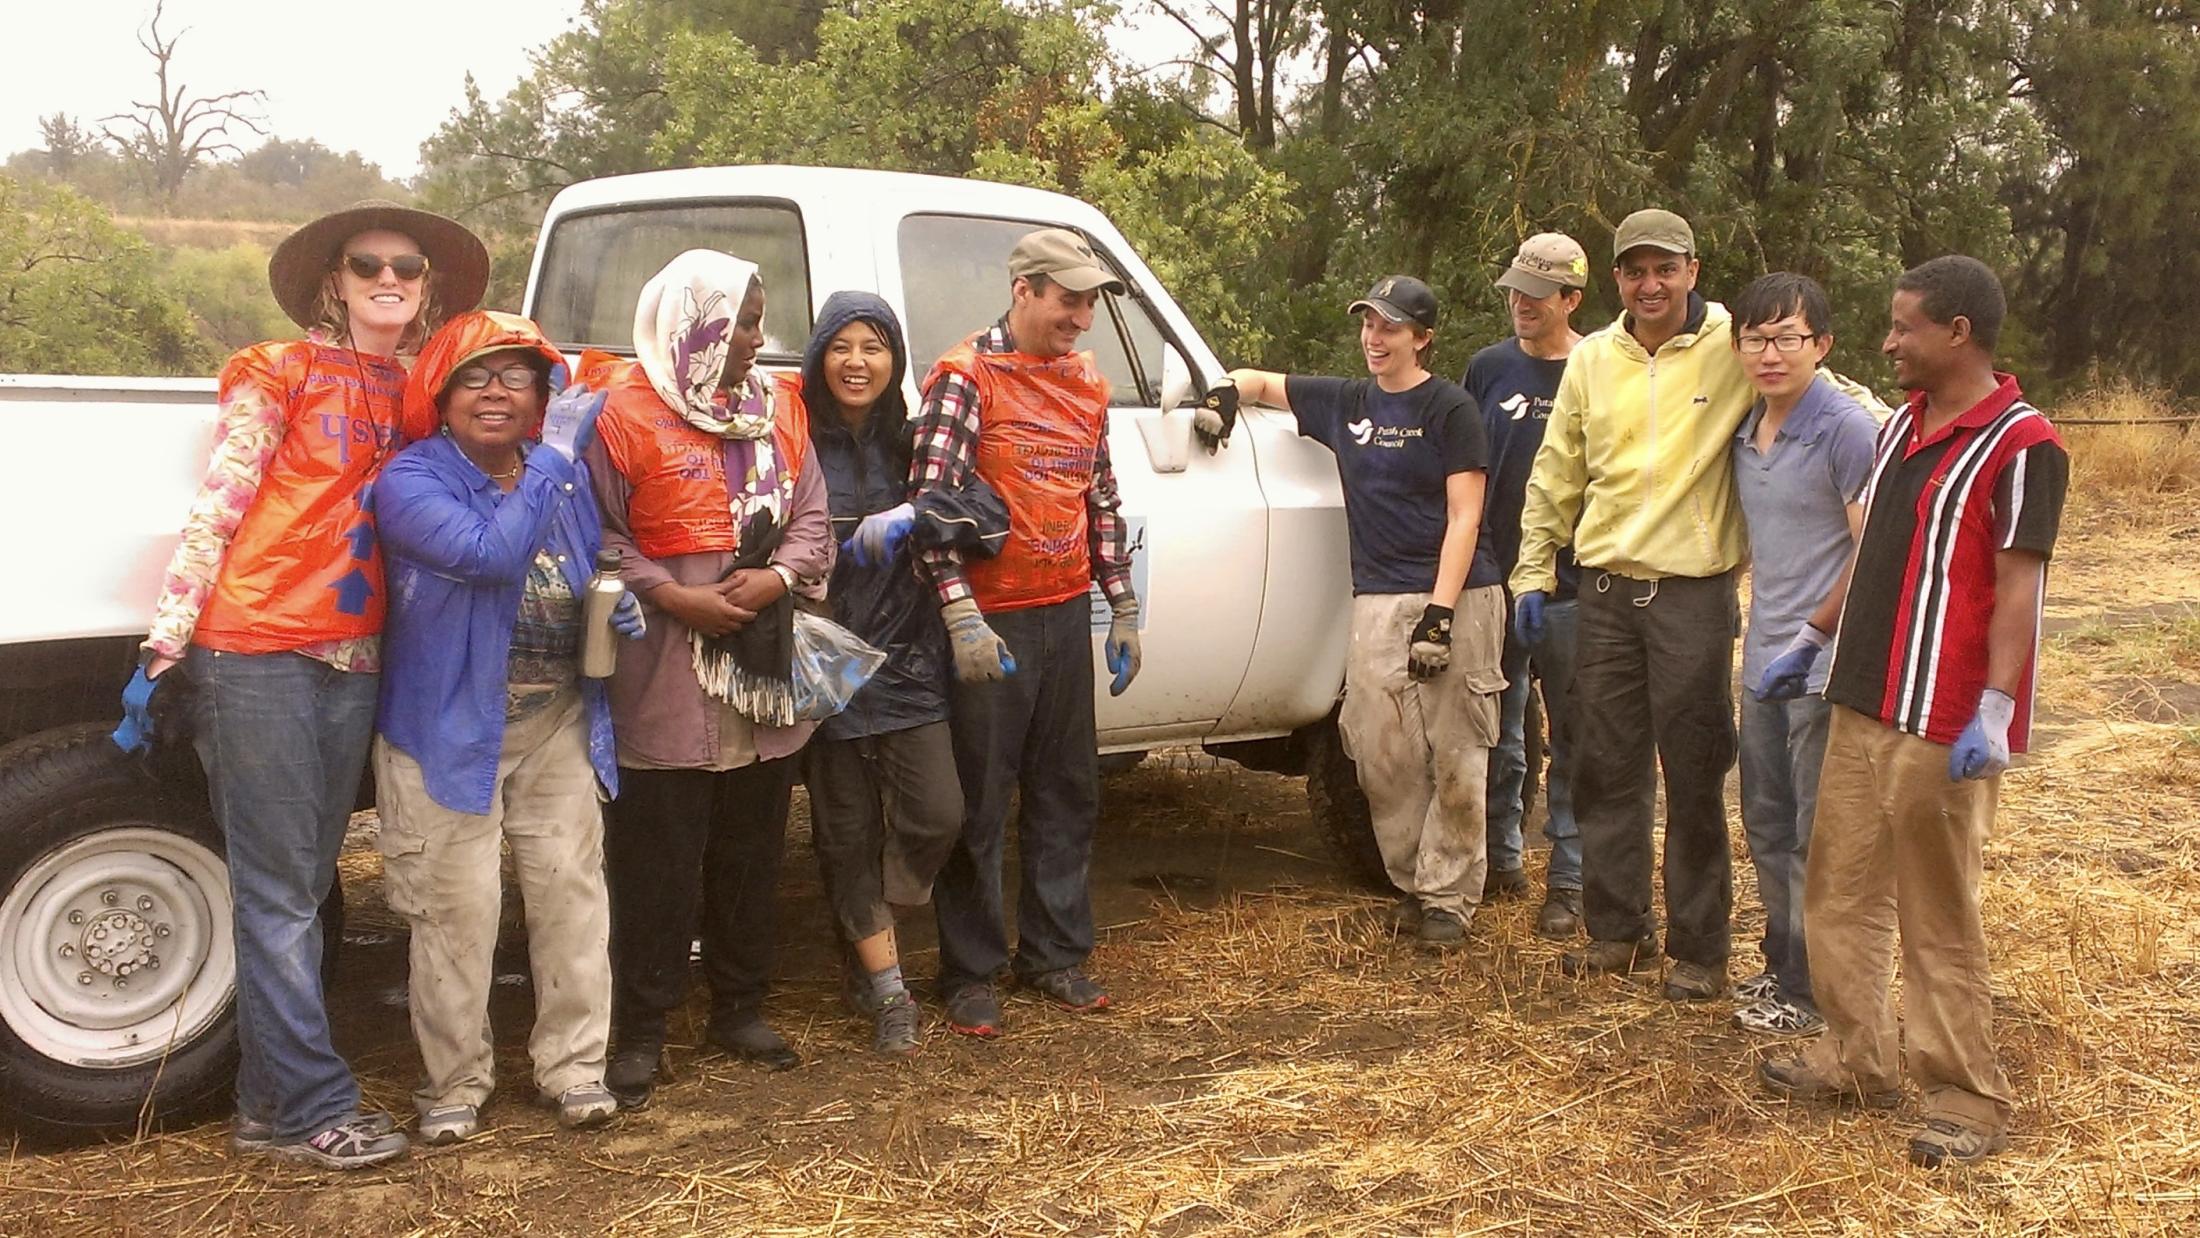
x=1071, y=989
x=1615, y=957
x=1941, y=1140
x=447, y=1124
x=1404, y=916
x=973, y=1010
x=251, y=1135
x=753, y=1040
x=1776, y=1016
x=1791, y=1077
x=1441, y=929
x=1560, y=917
x=353, y=1143
x=894, y=1027
x=631, y=1075
x=1694, y=982
x=1504, y=883
x=1756, y=988
x=584, y=1105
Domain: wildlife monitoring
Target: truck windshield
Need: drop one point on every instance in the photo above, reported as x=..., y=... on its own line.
x=596, y=263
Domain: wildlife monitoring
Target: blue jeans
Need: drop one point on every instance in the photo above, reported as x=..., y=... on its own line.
x=284, y=741
x=1031, y=733
x=1553, y=661
x=1783, y=744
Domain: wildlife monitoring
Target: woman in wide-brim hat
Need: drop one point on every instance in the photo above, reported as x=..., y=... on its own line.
x=273, y=606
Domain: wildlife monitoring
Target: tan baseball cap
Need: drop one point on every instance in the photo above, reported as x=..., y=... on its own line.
x=1547, y=262
x=1064, y=257
x=1655, y=228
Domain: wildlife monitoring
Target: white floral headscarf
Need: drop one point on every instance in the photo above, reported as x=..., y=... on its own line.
x=681, y=325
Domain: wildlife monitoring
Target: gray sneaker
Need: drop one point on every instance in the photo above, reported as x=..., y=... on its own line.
x=894, y=1027
x=353, y=1143
x=1940, y=1141
x=447, y=1124
x=252, y=1135
x=584, y=1105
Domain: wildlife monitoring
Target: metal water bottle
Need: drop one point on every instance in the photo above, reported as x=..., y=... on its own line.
x=599, y=641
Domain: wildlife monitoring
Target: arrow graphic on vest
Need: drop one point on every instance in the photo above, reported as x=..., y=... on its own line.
x=361, y=538
x=352, y=591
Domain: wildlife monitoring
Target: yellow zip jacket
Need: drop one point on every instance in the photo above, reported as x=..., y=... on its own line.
x=1636, y=468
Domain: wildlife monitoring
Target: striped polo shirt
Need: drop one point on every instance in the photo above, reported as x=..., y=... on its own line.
x=1911, y=650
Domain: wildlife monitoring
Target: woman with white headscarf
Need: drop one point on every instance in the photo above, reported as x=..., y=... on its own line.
x=702, y=468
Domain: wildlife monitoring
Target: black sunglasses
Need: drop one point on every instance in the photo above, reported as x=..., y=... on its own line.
x=409, y=267
x=514, y=377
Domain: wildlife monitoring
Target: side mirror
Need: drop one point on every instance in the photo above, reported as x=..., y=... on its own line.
x=1176, y=379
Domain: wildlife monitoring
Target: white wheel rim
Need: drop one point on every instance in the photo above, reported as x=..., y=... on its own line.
x=117, y=947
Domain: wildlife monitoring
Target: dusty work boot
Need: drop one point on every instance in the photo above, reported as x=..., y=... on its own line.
x=1792, y=1077
x=1614, y=957
x=1941, y=1141
x=753, y=1040
x=1560, y=917
x=1694, y=982
x=1441, y=929
x=1403, y=917
x=1504, y=883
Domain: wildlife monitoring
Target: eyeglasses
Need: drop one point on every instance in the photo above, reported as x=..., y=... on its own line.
x=476, y=377
x=1751, y=345
x=408, y=267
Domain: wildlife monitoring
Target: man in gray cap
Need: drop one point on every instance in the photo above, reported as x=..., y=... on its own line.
x=1017, y=405
x=1515, y=381
x=1636, y=474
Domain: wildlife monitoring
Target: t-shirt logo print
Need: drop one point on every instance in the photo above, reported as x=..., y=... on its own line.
x=1362, y=430
x=1516, y=404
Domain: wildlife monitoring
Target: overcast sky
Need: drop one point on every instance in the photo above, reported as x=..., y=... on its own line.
x=317, y=62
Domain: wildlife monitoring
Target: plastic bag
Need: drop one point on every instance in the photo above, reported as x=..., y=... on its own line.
x=831, y=665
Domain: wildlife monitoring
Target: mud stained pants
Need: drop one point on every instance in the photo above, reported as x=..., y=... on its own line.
x=885, y=810
x=1898, y=846
x=1422, y=747
x=1654, y=688
x=442, y=870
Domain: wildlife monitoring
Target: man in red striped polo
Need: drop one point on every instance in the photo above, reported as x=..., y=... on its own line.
x=1931, y=684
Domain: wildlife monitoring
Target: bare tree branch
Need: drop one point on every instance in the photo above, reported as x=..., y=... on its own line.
x=165, y=139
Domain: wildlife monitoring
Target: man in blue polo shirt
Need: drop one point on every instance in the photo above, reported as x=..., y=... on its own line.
x=1515, y=381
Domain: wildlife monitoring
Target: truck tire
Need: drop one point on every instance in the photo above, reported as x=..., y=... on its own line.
x=1339, y=808
x=117, y=963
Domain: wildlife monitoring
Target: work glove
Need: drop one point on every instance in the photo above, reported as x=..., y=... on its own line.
x=1528, y=622
x=1982, y=751
x=1121, y=647
x=626, y=617
x=135, y=735
x=980, y=655
x=1429, y=653
x=569, y=420
x=1217, y=415
x=880, y=535
x=1789, y=675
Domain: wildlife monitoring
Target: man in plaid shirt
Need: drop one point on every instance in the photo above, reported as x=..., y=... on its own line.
x=1020, y=407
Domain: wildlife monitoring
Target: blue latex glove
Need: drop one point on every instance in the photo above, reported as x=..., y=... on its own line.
x=1121, y=647
x=135, y=735
x=626, y=617
x=880, y=535
x=1982, y=751
x=569, y=420
x=1528, y=622
x=1788, y=676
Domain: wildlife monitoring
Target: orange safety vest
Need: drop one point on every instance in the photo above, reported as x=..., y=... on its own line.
x=677, y=473
x=1039, y=425
x=304, y=566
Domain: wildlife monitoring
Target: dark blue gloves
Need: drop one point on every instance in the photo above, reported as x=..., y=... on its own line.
x=626, y=617
x=1982, y=751
x=135, y=735
x=1789, y=675
x=1528, y=622
x=569, y=420
x=880, y=535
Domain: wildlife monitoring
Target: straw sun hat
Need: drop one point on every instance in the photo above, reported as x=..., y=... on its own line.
x=458, y=263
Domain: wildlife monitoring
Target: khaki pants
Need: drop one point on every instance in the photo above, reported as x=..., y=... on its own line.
x=1896, y=846
x=441, y=870
x=1423, y=748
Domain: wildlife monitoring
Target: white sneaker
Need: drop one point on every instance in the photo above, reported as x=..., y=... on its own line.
x=1756, y=988
x=446, y=1124
x=1774, y=1016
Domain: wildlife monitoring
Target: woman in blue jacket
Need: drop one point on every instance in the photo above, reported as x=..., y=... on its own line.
x=488, y=734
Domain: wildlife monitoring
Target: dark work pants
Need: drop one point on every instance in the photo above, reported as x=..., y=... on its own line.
x=689, y=845
x=1032, y=731
x=885, y=810
x=1652, y=688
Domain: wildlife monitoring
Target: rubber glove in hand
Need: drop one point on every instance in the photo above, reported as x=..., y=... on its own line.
x=1789, y=675
x=1528, y=622
x=1123, y=654
x=1982, y=751
x=1217, y=415
x=880, y=535
x=135, y=735
x=980, y=655
x=626, y=617
x=569, y=420
x=1428, y=653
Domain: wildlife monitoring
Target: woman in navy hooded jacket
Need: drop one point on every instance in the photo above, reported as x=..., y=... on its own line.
x=885, y=806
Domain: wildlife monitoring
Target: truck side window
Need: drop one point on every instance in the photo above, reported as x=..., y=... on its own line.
x=596, y=263
x=954, y=281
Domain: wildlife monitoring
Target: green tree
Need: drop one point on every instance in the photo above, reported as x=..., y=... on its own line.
x=79, y=295
x=226, y=291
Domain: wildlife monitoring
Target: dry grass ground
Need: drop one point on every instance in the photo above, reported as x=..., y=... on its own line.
x=1277, y=1065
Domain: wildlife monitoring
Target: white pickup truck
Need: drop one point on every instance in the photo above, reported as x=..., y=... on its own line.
x=116, y=963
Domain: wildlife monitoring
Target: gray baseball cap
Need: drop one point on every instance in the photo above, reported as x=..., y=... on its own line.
x=1656, y=228
x=1547, y=262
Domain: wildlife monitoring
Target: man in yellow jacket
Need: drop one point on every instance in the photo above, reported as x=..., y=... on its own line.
x=1636, y=473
